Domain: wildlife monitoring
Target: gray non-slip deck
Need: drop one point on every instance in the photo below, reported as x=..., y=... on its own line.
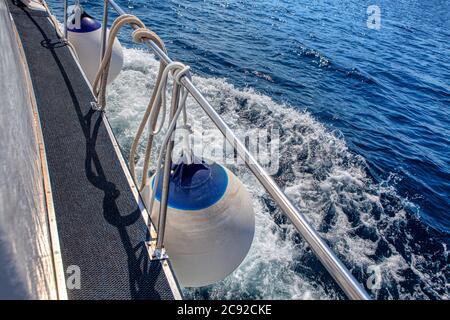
x=100, y=226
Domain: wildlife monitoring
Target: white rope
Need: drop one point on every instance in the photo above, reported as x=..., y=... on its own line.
x=55, y=23
x=157, y=104
x=179, y=70
x=99, y=84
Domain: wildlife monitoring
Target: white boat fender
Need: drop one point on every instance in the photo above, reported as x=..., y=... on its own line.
x=84, y=32
x=210, y=222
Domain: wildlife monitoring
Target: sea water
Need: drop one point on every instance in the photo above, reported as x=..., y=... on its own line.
x=364, y=122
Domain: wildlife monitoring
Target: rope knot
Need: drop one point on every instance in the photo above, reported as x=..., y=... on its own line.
x=141, y=34
x=180, y=72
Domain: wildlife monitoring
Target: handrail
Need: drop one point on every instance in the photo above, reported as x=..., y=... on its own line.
x=327, y=257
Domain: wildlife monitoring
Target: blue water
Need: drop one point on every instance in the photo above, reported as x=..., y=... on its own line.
x=385, y=92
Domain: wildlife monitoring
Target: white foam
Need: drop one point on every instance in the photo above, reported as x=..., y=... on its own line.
x=319, y=173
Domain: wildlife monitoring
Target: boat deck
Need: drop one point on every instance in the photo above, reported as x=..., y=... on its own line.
x=100, y=223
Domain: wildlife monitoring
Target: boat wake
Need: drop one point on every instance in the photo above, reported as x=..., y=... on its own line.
x=366, y=223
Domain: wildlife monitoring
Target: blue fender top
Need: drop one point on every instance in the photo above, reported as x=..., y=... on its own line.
x=194, y=186
x=87, y=24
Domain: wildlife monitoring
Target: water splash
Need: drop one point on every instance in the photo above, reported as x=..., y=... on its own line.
x=367, y=224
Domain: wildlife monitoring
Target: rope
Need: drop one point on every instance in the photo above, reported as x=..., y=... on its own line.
x=179, y=71
x=55, y=23
x=153, y=111
x=99, y=85
x=158, y=98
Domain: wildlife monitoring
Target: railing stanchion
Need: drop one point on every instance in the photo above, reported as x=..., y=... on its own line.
x=166, y=178
x=104, y=28
x=65, y=19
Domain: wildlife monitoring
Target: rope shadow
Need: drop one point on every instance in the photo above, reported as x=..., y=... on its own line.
x=143, y=273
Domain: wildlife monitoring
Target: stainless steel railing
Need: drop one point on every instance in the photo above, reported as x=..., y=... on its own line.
x=335, y=267
x=65, y=19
